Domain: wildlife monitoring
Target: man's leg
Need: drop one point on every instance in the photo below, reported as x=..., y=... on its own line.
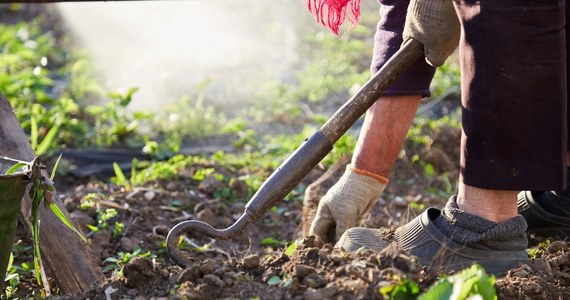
x=383, y=132
x=494, y=205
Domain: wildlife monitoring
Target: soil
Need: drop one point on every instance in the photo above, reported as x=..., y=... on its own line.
x=250, y=266
x=245, y=268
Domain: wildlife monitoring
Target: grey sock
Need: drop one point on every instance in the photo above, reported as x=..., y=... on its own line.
x=479, y=233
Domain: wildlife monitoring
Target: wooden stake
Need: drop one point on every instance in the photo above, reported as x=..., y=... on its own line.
x=68, y=260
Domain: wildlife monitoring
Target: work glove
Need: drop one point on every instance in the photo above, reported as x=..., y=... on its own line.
x=346, y=203
x=433, y=23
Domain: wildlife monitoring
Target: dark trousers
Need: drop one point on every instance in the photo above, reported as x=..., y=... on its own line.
x=514, y=89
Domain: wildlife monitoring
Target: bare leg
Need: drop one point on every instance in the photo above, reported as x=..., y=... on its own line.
x=383, y=132
x=493, y=205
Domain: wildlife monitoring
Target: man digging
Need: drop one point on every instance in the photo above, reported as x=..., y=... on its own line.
x=514, y=138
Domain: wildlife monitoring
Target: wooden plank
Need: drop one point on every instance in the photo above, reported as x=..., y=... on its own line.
x=67, y=259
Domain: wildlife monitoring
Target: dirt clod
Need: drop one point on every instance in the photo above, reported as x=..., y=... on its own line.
x=304, y=270
x=208, y=266
x=139, y=273
x=323, y=293
x=251, y=262
x=214, y=280
x=314, y=281
x=189, y=274
x=556, y=246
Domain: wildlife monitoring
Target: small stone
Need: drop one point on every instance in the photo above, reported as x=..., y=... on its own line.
x=161, y=230
x=214, y=280
x=304, y=270
x=210, y=185
x=323, y=254
x=336, y=258
x=149, y=195
x=171, y=186
x=268, y=274
x=314, y=281
x=556, y=246
x=531, y=287
x=208, y=266
x=251, y=262
x=522, y=273
x=323, y=293
x=206, y=215
x=128, y=245
x=239, y=187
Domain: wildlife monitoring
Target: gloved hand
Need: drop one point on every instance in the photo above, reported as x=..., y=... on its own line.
x=346, y=203
x=433, y=23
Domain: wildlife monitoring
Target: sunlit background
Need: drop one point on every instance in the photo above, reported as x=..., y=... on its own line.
x=168, y=47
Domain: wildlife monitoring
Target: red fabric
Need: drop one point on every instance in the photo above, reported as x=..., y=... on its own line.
x=332, y=13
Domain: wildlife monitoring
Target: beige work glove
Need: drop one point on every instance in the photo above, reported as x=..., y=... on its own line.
x=346, y=203
x=433, y=23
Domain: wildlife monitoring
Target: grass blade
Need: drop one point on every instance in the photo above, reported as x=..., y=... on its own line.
x=15, y=167
x=55, y=167
x=65, y=220
x=46, y=142
x=121, y=178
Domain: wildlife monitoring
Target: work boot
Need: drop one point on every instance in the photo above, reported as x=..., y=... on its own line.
x=450, y=240
x=547, y=213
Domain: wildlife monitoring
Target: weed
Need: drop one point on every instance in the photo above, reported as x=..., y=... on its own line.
x=537, y=251
x=104, y=218
x=40, y=189
x=406, y=289
x=471, y=283
x=115, y=263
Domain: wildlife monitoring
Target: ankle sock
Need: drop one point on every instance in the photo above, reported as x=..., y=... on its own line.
x=479, y=233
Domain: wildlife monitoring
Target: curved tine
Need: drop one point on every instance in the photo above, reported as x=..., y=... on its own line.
x=176, y=232
x=205, y=228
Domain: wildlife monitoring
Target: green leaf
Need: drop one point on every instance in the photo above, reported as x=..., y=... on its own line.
x=440, y=290
x=10, y=262
x=15, y=167
x=407, y=290
x=55, y=167
x=275, y=280
x=43, y=147
x=121, y=178
x=65, y=220
x=473, y=281
x=291, y=248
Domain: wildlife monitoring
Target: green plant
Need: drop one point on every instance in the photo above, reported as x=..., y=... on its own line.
x=103, y=220
x=13, y=279
x=537, y=251
x=40, y=190
x=446, y=81
x=404, y=290
x=471, y=283
x=115, y=263
x=114, y=123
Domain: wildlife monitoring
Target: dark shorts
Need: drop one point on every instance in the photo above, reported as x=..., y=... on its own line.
x=514, y=86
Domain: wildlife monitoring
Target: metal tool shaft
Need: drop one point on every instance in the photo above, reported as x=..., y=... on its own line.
x=307, y=156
